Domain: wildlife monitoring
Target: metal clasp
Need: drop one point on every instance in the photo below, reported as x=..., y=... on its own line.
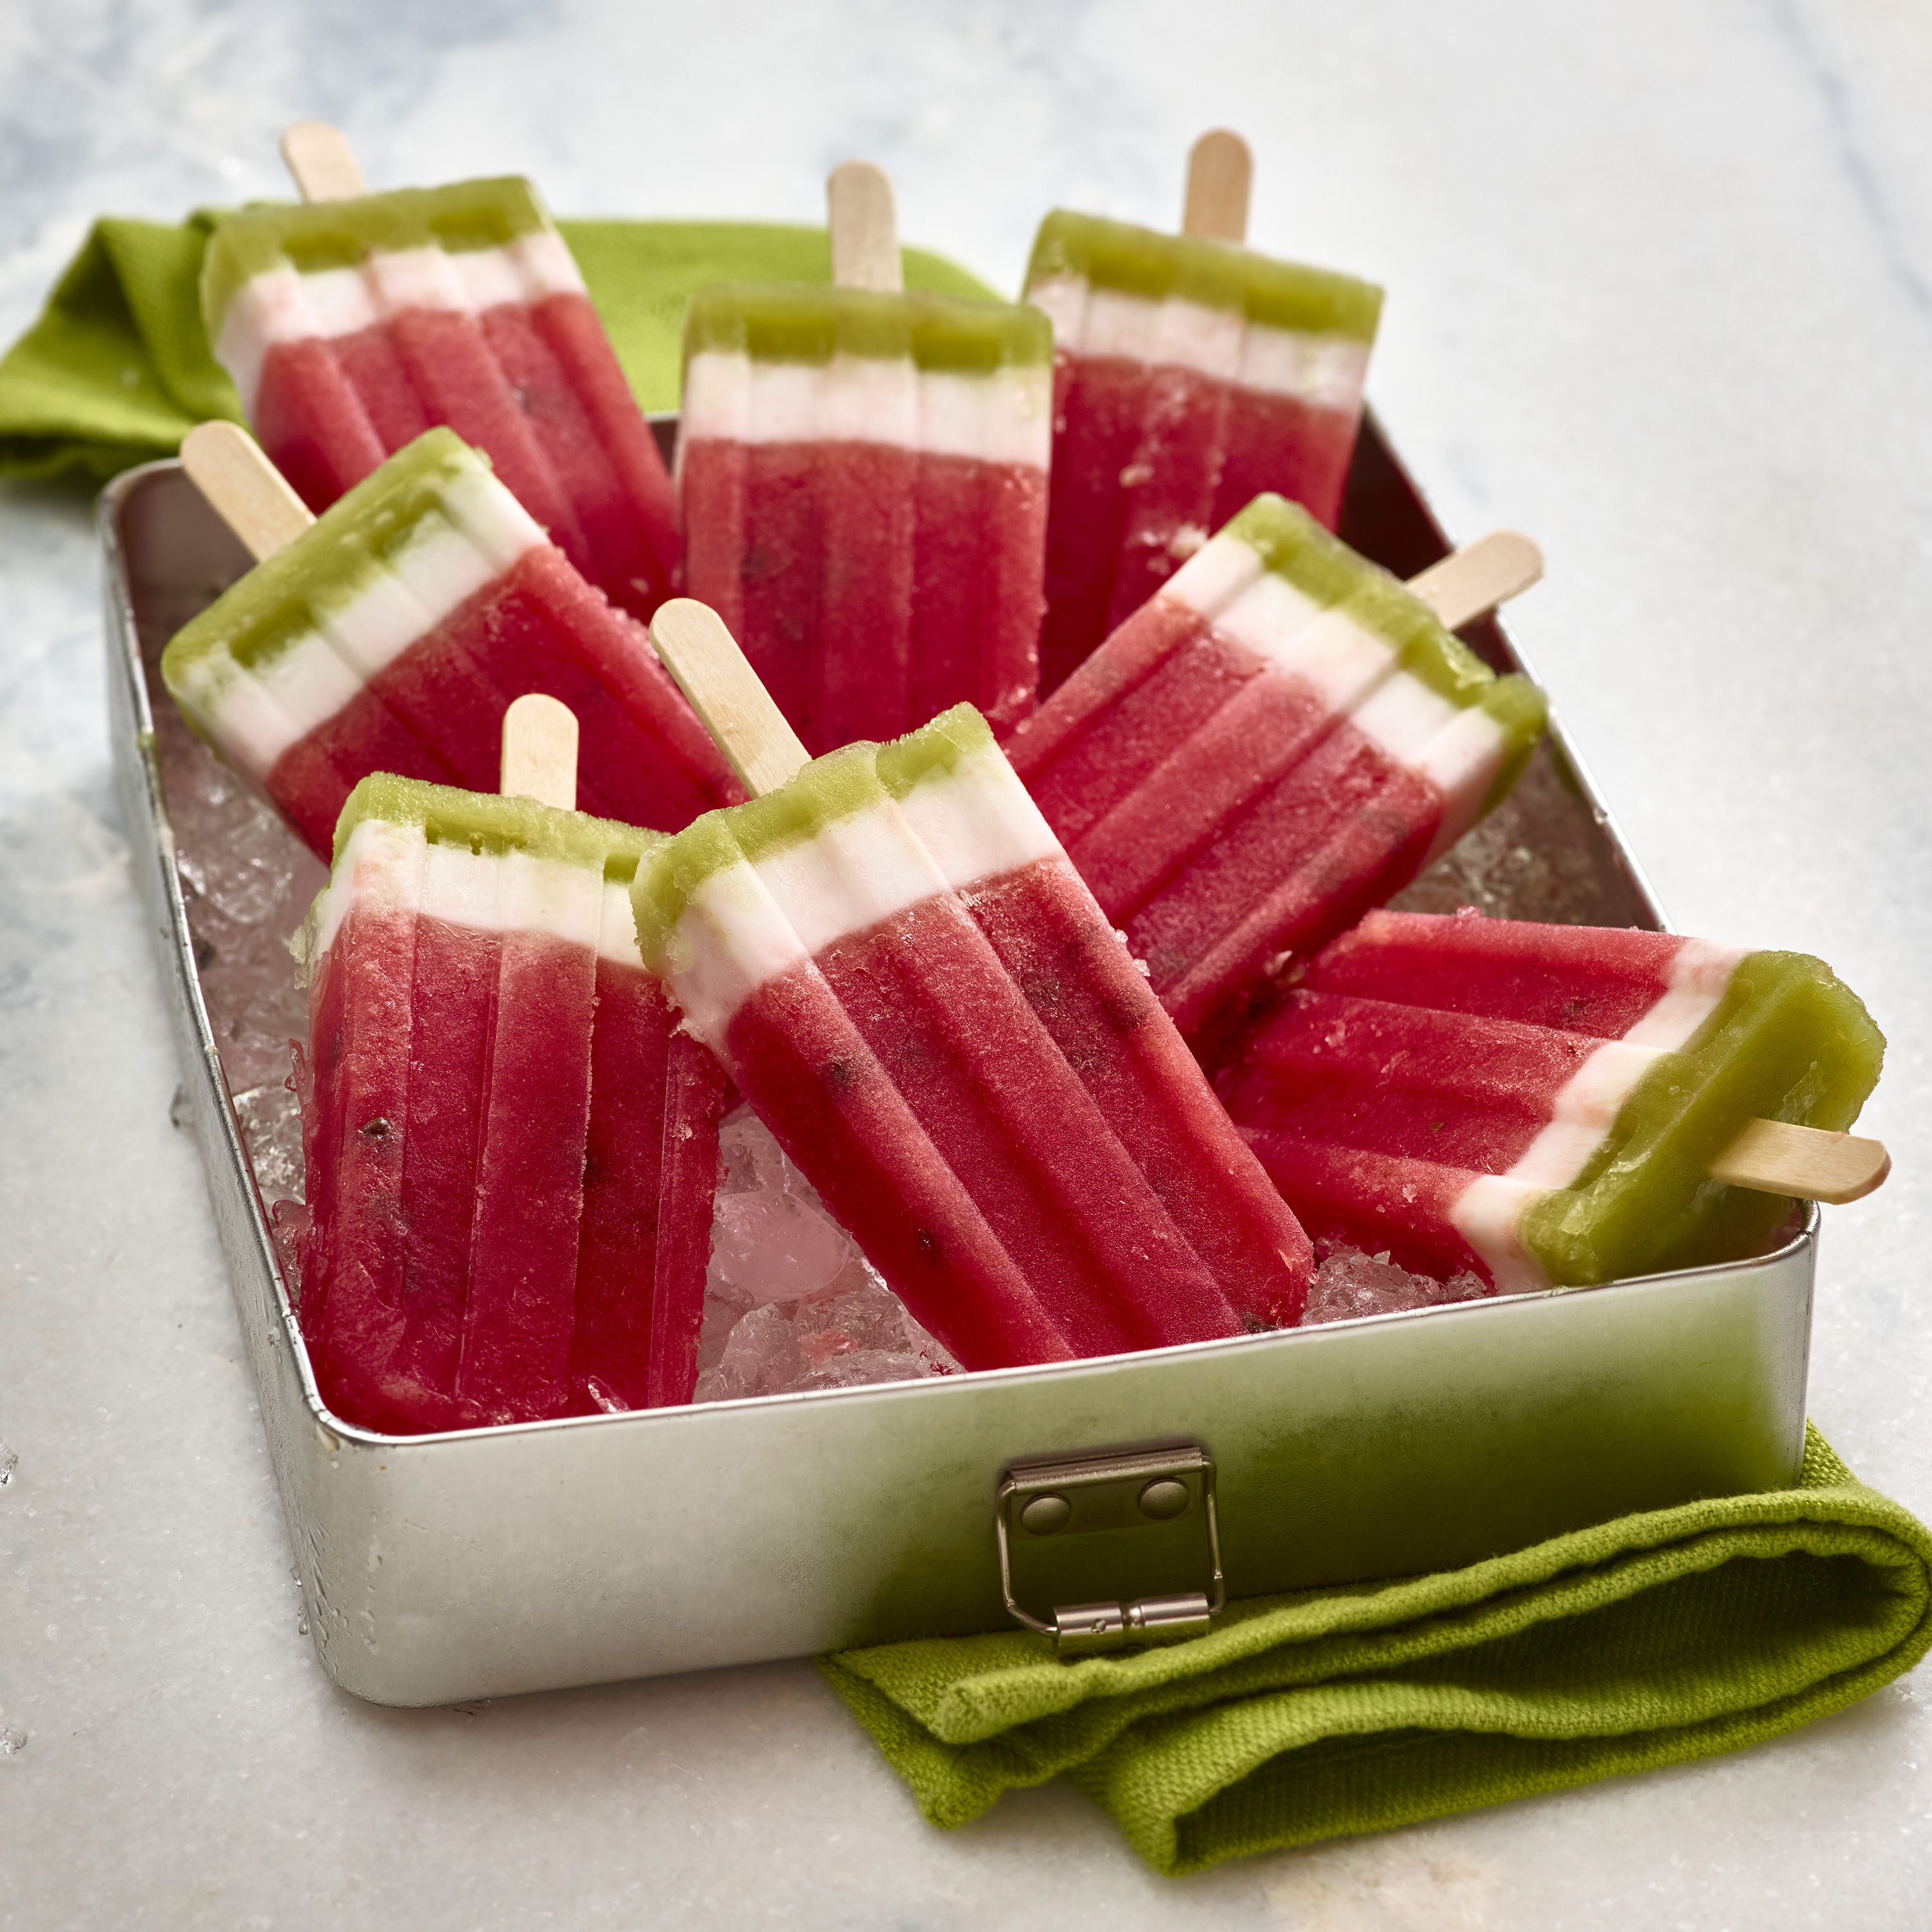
x=1140, y=1525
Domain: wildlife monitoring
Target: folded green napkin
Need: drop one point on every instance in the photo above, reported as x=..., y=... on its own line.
x=117, y=370
x=1648, y=1641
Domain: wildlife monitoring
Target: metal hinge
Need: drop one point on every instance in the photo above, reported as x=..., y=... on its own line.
x=1070, y=1527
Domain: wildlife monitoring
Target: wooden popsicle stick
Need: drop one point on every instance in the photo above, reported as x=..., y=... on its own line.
x=1220, y=172
x=703, y=658
x=1479, y=577
x=248, y=493
x=322, y=162
x=540, y=751
x=865, y=228
x=1774, y=1157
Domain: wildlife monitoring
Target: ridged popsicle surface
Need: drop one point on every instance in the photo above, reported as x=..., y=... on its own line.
x=899, y=971
x=351, y=327
x=1279, y=740
x=863, y=480
x=511, y=1152
x=1189, y=377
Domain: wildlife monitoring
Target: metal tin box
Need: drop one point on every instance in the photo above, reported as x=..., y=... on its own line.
x=485, y=1562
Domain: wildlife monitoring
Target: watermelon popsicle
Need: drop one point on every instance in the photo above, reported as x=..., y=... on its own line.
x=1190, y=376
x=1555, y=1104
x=391, y=634
x=1281, y=739
x=512, y=1150
x=355, y=323
x=901, y=974
x=863, y=478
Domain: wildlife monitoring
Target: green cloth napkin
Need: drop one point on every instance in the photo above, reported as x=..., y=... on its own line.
x=118, y=369
x=1648, y=1641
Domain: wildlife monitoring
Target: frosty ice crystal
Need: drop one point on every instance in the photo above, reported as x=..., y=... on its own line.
x=790, y=1303
x=1525, y=861
x=247, y=883
x=1349, y=1285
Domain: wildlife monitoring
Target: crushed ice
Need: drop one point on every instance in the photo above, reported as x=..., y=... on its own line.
x=772, y=1239
x=246, y=882
x=1348, y=1285
x=790, y=1303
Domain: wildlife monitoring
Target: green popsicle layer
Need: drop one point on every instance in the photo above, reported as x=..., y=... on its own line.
x=1790, y=1041
x=852, y=779
x=482, y=822
x=829, y=788
x=1296, y=548
x=936, y=750
x=324, y=235
x=284, y=598
x=1144, y=262
x=788, y=322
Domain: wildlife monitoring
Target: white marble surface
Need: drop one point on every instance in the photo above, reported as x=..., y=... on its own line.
x=1660, y=281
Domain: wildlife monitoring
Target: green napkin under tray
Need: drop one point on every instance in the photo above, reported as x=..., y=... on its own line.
x=1651, y=1640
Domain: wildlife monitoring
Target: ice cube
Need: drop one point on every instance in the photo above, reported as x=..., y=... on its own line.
x=288, y=1226
x=1349, y=1284
x=860, y=1368
x=790, y=1303
x=861, y=1315
x=772, y=1239
x=270, y=1123
x=844, y=1340
x=761, y=1356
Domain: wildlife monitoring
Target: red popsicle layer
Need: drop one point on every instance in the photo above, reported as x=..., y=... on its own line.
x=510, y=1153
x=863, y=480
x=1189, y=377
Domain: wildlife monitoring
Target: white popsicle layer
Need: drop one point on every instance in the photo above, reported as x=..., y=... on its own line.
x=1004, y=416
x=976, y=820
x=387, y=869
x=284, y=304
x=473, y=532
x=748, y=922
x=1325, y=371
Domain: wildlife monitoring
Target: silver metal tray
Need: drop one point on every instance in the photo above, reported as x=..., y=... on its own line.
x=485, y=1562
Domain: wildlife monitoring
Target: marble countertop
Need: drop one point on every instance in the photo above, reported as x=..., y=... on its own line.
x=1660, y=285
